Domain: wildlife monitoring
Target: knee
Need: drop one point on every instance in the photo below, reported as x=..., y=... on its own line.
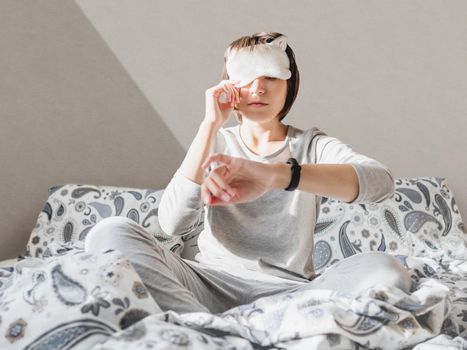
x=391, y=271
x=107, y=233
x=387, y=260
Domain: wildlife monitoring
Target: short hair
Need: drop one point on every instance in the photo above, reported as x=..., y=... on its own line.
x=293, y=82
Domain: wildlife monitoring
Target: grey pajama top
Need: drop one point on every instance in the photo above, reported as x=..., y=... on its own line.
x=270, y=238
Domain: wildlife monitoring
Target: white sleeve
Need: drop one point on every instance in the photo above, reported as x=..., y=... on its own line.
x=181, y=205
x=375, y=180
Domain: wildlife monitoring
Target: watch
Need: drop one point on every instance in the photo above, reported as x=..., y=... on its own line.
x=295, y=174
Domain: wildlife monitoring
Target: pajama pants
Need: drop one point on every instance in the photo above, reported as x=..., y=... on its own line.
x=183, y=285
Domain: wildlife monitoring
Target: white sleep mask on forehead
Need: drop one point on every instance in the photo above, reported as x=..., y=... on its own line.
x=268, y=59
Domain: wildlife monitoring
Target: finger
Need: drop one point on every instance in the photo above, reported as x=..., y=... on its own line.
x=222, y=183
x=232, y=96
x=222, y=98
x=235, y=93
x=216, y=190
x=218, y=201
x=227, y=92
x=217, y=157
x=205, y=194
x=220, y=95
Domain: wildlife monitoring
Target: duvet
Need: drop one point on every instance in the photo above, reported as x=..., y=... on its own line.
x=84, y=301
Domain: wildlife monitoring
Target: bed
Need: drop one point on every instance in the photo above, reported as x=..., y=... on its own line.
x=56, y=296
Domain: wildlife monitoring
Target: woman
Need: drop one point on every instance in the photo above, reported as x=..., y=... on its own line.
x=261, y=196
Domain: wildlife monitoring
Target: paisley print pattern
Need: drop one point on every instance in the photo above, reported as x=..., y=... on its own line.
x=425, y=192
x=417, y=220
x=412, y=194
x=72, y=210
x=68, y=334
x=133, y=214
x=445, y=211
x=391, y=220
x=81, y=191
x=306, y=319
x=66, y=233
x=407, y=220
x=414, y=220
x=322, y=254
x=104, y=210
x=323, y=225
x=119, y=204
x=48, y=210
x=50, y=304
x=362, y=326
x=346, y=246
x=382, y=245
x=67, y=290
x=420, y=221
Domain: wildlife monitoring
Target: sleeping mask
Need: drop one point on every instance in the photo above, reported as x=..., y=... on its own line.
x=268, y=59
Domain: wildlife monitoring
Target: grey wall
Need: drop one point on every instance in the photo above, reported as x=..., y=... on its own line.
x=112, y=92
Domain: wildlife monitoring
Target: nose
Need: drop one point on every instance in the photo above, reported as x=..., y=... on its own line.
x=257, y=86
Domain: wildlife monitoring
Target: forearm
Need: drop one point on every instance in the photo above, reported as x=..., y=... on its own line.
x=181, y=204
x=338, y=181
x=198, y=152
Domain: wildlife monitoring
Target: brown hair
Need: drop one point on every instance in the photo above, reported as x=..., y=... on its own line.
x=293, y=82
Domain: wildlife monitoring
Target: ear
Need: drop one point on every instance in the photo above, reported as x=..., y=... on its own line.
x=280, y=41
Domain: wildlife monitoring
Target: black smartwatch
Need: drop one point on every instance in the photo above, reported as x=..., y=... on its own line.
x=295, y=174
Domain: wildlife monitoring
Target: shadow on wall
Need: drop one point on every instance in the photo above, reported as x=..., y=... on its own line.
x=70, y=114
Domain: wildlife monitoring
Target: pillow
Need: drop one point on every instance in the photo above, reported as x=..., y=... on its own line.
x=71, y=210
x=420, y=219
x=77, y=299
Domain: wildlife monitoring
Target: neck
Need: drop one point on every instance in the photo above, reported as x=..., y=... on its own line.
x=264, y=133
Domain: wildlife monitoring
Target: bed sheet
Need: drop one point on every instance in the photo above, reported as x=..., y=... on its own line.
x=433, y=316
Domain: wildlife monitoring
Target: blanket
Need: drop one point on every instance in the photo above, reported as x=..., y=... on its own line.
x=82, y=301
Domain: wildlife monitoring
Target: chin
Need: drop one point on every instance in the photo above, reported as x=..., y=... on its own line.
x=259, y=119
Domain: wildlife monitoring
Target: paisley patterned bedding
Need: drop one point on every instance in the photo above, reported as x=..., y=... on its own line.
x=381, y=318
x=60, y=297
x=82, y=301
x=77, y=298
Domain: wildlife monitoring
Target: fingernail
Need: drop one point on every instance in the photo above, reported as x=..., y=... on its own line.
x=225, y=197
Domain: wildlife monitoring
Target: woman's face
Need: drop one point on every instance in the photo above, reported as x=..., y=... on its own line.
x=270, y=91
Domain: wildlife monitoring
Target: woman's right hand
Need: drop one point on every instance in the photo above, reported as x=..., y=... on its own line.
x=220, y=101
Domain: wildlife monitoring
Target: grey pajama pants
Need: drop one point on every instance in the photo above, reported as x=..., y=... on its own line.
x=184, y=286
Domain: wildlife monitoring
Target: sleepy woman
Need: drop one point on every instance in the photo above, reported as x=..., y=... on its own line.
x=260, y=183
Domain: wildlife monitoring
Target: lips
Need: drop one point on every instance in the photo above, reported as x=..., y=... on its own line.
x=257, y=103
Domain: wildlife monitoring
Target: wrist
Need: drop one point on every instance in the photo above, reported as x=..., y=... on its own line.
x=281, y=176
x=210, y=124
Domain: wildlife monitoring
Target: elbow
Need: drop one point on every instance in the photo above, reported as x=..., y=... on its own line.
x=173, y=227
x=167, y=223
x=166, y=228
x=387, y=188
x=164, y=224
x=375, y=183
x=176, y=222
x=163, y=218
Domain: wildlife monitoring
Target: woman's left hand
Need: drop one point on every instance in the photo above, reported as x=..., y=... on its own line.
x=244, y=180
